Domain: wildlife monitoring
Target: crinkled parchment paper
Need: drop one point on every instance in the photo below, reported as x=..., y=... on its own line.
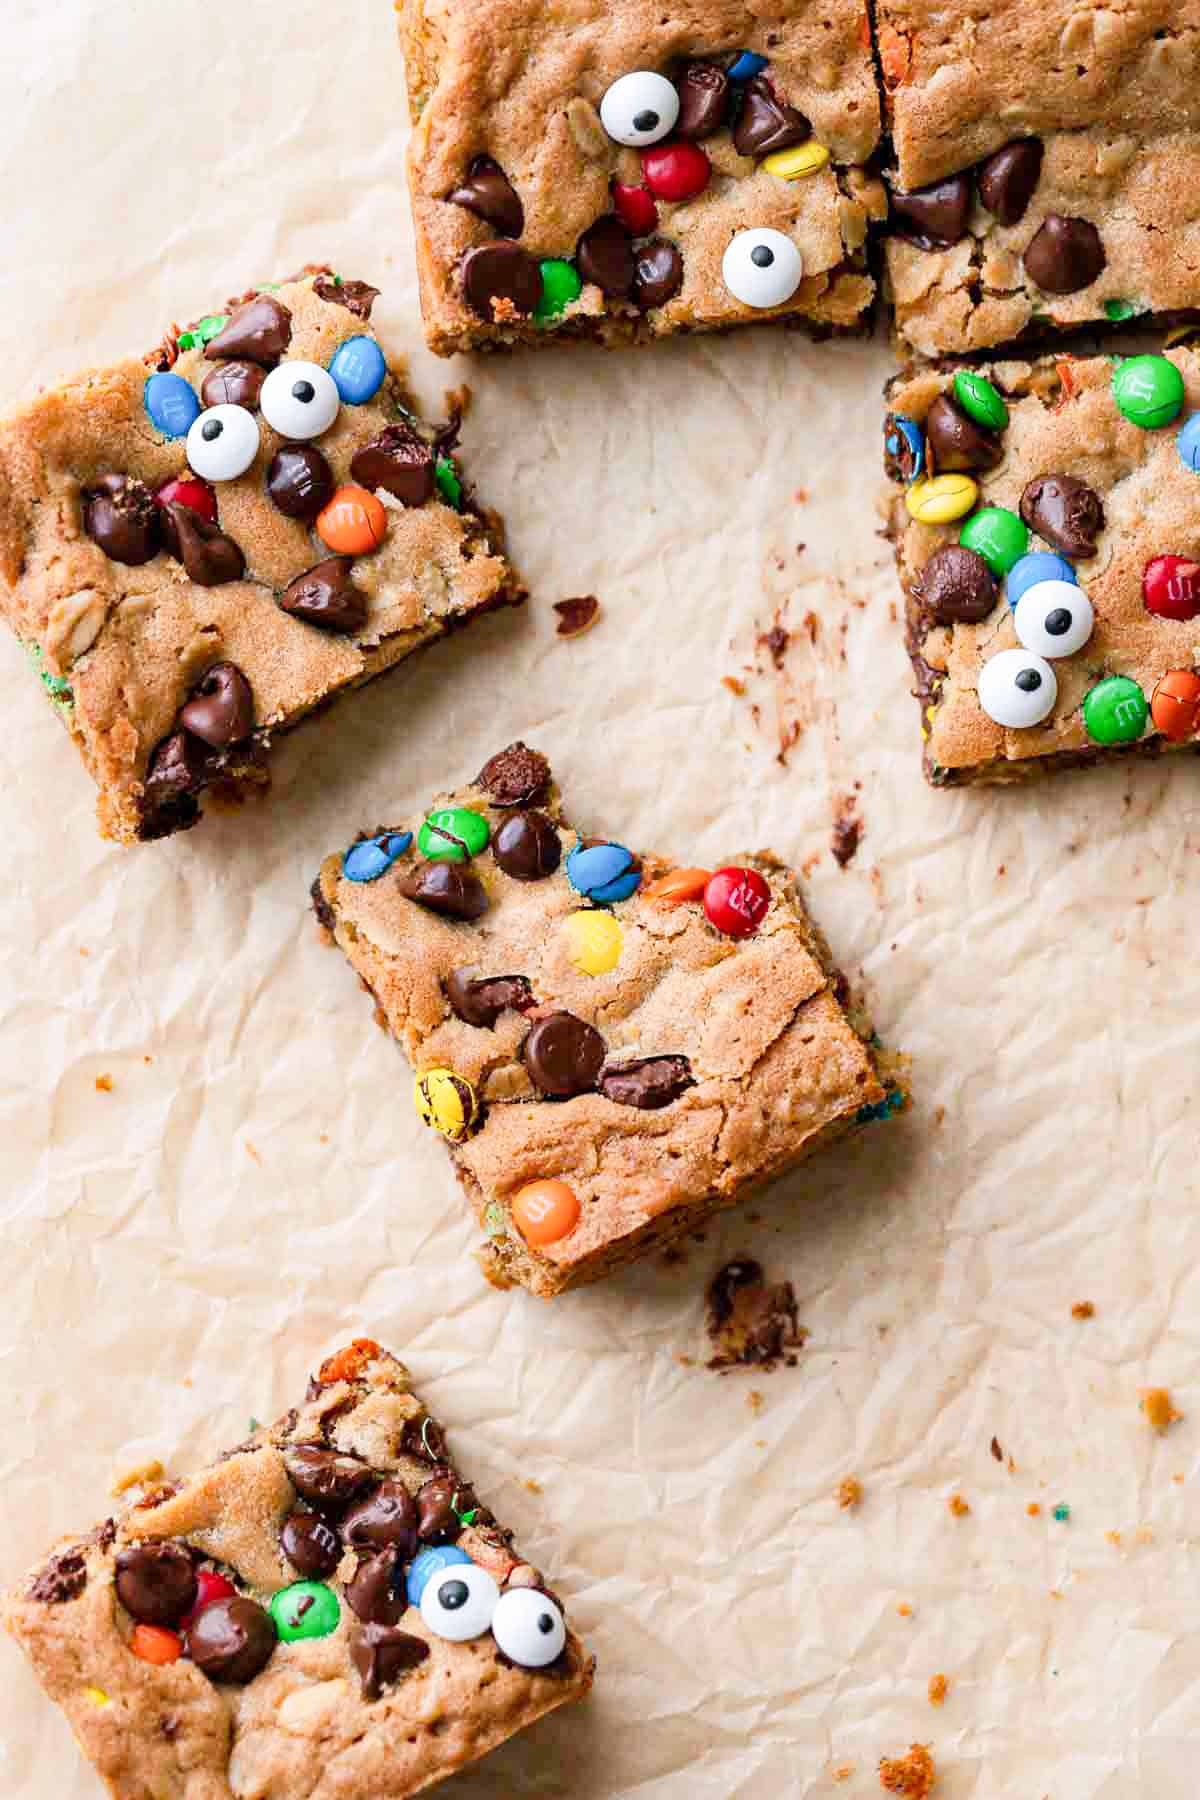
x=180, y=1251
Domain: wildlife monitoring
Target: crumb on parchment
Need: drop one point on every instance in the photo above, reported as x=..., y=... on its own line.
x=141, y=1475
x=913, y=1775
x=905, y=1610
x=1083, y=1309
x=958, y=1506
x=849, y=1493
x=104, y=1084
x=1156, y=1404
x=939, y=1687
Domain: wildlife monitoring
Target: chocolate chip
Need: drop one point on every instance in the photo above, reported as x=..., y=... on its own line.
x=439, y=1504
x=357, y=297
x=310, y=1544
x=1007, y=179
x=63, y=1578
x=749, y=1319
x=956, y=586
x=399, y=462
x=703, y=98
x=422, y=1437
x=260, y=331
x=1065, y=511
x=221, y=709
x=658, y=273
x=501, y=272
x=122, y=516
x=325, y=595
x=604, y=255
x=386, y=1517
x=178, y=770
x=481, y=1001
x=1065, y=255
x=232, y=1640
x=955, y=441
x=446, y=888
x=489, y=194
x=156, y=1583
x=564, y=1055
x=208, y=555
x=527, y=846
x=516, y=776
x=233, y=384
x=299, y=481
x=899, y=452
x=382, y=1654
x=648, y=1083
x=765, y=123
x=935, y=217
x=375, y=1592
x=326, y=1477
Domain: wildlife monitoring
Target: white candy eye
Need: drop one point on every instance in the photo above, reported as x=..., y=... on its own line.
x=528, y=1627
x=1017, y=688
x=762, y=267
x=1055, y=618
x=640, y=108
x=459, y=1602
x=222, y=443
x=299, y=400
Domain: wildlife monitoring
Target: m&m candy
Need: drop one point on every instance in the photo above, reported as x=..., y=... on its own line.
x=430, y=1562
x=453, y=834
x=1171, y=587
x=980, y=400
x=447, y=1103
x=603, y=872
x=746, y=66
x=1115, y=711
x=941, y=500
x=676, y=171
x=635, y=208
x=594, y=941
x=172, y=403
x=1038, y=565
x=1188, y=443
x=155, y=1644
x=736, y=901
x=545, y=1211
x=372, y=857
x=998, y=535
x=353, y=523
x=679, y=885
x=359, y=370
x=1148, y=391
x=1175, y=704
x=561, y=284
x=186, y=490
x=794, y=164
x=305, y=1609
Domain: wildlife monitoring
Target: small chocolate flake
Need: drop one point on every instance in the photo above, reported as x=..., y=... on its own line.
x=577, y=616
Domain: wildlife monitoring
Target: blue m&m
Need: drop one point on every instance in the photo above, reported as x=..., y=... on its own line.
x=359, y=370
x=172, y=403
x=603, y=873
x=428, y=1563
x=746, y=66
x=1038, y=565
x=1188, y=442
x=372, y=857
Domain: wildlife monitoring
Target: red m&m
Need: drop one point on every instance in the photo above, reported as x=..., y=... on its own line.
x=186, y=490
x=1171, y=587
x=635, y=208
x=1175, y=704
x=210, y=1586
x=676, y=171
x=736, y=901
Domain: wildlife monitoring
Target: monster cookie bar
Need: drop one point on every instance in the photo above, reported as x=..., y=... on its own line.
x=1045, y=541
x=326, y=1613
x=618, y=170
x=198, y=552
x=1047, y=166
x=614, y=1047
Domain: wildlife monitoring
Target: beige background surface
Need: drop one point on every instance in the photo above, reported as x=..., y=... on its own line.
x=180, y=1252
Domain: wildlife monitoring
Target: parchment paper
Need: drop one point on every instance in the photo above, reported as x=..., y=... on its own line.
x=180, y=1251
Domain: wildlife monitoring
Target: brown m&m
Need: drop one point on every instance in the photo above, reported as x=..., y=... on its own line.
x=300, y=481
x=120, y=515
x=956, y=586
x=527, y=846
x=955, y=441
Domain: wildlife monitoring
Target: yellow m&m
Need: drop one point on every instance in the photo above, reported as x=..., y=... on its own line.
x=446, y=1102
x=800, y=160
x=594, y=941
x=938, y=501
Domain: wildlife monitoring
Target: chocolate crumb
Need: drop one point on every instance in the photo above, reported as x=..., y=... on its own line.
x=997, y=1452
x=63, y=1578
x=913, y=1775
x=776, y=641
x=752, y=1323
x=1083, y=1309
x=847, y=832
x=577, y=616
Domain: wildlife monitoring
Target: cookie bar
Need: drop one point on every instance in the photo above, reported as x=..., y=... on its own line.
x=1047, y=166
x=199, y=549
x=621, y=173
x=328, y=1610
x=1045, y=541
x=613, y=1047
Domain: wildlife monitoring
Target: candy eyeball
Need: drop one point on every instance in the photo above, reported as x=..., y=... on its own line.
x=222, y=443
x=1054, y=618
x=1017, y=688
x=460, y=1602
x=528, y=1627
x=762, y=268
x=639, y=109
x=299, y=400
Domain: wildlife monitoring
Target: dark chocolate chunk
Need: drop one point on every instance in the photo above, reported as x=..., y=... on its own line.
x=299, y=481
x=1065, y=255
x=750, y=1320
x=956, y=586
x=399, y=462
x=232, y=1640
x=326, y=1477
x=375, y=1592
x=564, y=1055
x=658, y=273
x=221, y=709
x=440, y=1505
x=357, y=297
x=527, y=846
x=206, y=552
x=382, y=1654
x=233, y=384
x=765, y=123
x=604, y=255
x=648, y=1083
x=423, y=1438
x=576, y=615
x=501, y=272
x=446, y=888
x=489, y=194
x=387, y=1516
x=955, y=441
x=325, y=595
x=703, y=100
x=1065, y=511
x=63, y=1578
x=178, y=770
x=122, y=516
x=1007, y=179
x=935, y=217
x=899, y=452
x=310, y=1544
x=260, y=330
x=481, y=1000
x=516, y=776
x=156, y=1583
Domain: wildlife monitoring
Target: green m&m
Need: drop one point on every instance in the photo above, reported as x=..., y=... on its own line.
x=560, y=285
x=980, y=400
x=1148, y=391
x=306, y=1609
x=449, y=484
x=1115, y=711
x=453, y=834
x=998, y=535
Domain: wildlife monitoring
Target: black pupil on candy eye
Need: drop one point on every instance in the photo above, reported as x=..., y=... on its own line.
x=645, y=121
x=1029, y=681
x=211, y=430
x=454, y=1594
x=545, y=1624
x=761, y=257
x=1058, y=622
x=304, y=390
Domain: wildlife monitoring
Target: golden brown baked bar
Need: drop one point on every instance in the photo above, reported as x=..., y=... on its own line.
x=617, y=170
x=327, y=1610
x=613, y=1047
x=200, y=548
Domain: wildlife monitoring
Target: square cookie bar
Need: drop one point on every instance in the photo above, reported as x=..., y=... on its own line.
x=1045, y=543
x=1047, y=166
x=613, y=1047
x=200, y=548
x=622, y=173
x=327, y=1611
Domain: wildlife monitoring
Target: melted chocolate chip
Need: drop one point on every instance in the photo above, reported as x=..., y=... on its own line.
x=310, y=1544
x=156, y=1583
x=481, y=1001
x=604, y=255
x=1007, y=179
x=658, y=273
x=233, y=384
x=221, y=709
x=232, y=1640
x=489, y=194
x=121, y=515
x=564, y=1055
x=375, y=1592
x=178, y=770
x=1065, y=255
x=382, y=1654
x=446, y=888
x=955, y=441
x=63, y=1578
x=422, y=1437
x=206, y=552
x=325, y=595
x=527, y=846
x=326, y=1477
x=1065, y=511
x=439, y=1504
x=357, y=297
x=299, y=481
x=260, y=331
x=399, y=462
x=516, y=776
x=766, y=124
x=935, y=217
x=388, y=1516
x=956, y=586
x=750, y=1320
x=703, y=100
x=501, y=272
x=648, y=1083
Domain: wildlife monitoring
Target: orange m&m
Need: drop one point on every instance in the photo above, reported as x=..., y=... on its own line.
x=353, y=522
x=544, y=1211
x=1175, y=704
x=155, y=1644
x=678, y=886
